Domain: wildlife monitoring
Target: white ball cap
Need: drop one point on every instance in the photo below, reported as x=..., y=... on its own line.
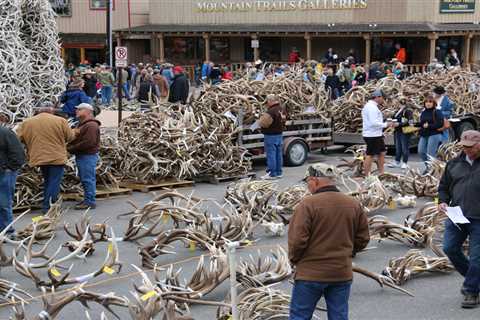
x=84, y=106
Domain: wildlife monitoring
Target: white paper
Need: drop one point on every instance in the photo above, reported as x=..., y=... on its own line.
x=255, y=126
x=456, y=215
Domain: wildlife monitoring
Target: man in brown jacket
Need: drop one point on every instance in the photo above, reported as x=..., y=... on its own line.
x=45, y=137
x=85, y=148
x=327, y=229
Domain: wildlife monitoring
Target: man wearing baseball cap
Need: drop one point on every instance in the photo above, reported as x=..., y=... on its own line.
x=85, y=147
x=327, y=229
x=372, y=132
x=460, y=186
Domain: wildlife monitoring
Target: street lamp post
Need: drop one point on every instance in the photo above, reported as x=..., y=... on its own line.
x=109, y=58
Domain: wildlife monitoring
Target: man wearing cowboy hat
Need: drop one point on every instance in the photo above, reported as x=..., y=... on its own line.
x=73, y=97
x=327, y=229
x=12, y=158
x=460, y=186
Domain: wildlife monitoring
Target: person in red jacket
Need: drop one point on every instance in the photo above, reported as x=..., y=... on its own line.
x=401, y=53
x=85, y=147
x=294, y=56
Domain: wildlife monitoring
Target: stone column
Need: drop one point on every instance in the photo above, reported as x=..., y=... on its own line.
x=154, y=47
x=433, y=46
x=466, y=50
x=256, y=51
x=368, y=49
x=161, y=47
x=308, y=38
x=206, y=37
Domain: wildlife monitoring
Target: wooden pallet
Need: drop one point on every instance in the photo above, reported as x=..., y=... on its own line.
x=101, y=194
x=213, y=179
x=166, y=184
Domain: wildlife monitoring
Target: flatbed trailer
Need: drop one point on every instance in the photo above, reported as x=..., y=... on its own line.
x=300, y=137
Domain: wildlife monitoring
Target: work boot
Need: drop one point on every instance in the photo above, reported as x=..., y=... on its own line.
x=470, y=301
x=84, y=206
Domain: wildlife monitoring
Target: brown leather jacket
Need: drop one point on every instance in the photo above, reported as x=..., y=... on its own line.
x=326, y=230
x=88, y=138
x=162, y=84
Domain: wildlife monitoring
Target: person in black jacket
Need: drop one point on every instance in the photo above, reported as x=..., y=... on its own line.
x=180, y=88
x=332, y=84
x=90, y=86
x=431, y=122
x=360, y=76
x=404, y=118
x=460, y=186
x=12, y=158
x=148, y=92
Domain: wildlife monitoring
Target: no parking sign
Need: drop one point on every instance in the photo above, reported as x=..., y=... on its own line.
x=121, y=57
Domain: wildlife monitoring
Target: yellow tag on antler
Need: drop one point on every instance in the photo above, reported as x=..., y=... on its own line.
x=436, y=200
x=148, y=295
x=55, y=272
x=248, y=243
x=37, y=218
x=392, y=205
x=193, y=245
x=166, y=216
x=110, y=248
x=360, y=158
x=108, y=270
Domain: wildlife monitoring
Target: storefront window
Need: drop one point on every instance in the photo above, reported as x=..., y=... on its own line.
x=100, y=4
x=72, y=55
x=94, y=56
x=220, y=50
x=444, y=45
x=271, y=49
x=61, y=7
x=184, y=50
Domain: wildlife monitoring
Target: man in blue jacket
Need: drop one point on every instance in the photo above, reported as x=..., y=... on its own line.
x=445, y=105
x=12, y=158
x=73, y=97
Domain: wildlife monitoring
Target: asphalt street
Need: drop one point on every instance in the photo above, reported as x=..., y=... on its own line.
x=437, y=296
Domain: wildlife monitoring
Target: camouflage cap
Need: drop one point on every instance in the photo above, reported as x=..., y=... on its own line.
x=321, y=170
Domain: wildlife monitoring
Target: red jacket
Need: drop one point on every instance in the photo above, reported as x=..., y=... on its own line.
x=294, y=57
x=401, y=55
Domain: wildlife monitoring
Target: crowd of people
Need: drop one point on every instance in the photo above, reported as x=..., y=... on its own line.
x=148, y=84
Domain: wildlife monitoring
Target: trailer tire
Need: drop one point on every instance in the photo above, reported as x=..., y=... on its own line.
x=464, y=126
x=296, y=154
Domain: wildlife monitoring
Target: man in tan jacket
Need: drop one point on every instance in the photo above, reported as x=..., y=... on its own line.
x=45, y=137
x=327, y=229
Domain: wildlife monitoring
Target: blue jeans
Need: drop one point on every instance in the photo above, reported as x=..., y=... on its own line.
x=8, y=179
x=52, y=179
x=106, y=94
x=452, y=246
x=306, y=295
x=125, y=90
x=87, y=165
x=428, y=146
x=445, y=136
x=402, y=146
x=274, y=150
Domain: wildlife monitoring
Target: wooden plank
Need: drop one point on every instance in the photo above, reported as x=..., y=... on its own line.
x=22, y=209
x=166, y=184
x=290, y=133
x=100, y=194
x=213, y=179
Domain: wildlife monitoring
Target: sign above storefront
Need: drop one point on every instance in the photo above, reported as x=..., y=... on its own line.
x=279, y=5
x=457, y=6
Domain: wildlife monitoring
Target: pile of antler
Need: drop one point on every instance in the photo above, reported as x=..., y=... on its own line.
x=32, y=69
x=462, y=86
x=179, y=142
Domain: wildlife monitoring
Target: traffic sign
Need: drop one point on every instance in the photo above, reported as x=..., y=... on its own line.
x=121, y=57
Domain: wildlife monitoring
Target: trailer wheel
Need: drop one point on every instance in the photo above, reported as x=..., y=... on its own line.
x=297, y=153
x=464, y=126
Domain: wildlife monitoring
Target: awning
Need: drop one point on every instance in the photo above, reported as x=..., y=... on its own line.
x=310, y=28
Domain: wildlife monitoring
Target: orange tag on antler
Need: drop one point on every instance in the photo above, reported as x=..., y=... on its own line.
x=392, y=205
x=108, y=270
x=148, y=295
x=166, y=216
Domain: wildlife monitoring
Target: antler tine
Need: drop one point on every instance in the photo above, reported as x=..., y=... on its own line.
x=74, y=253
x=4, y=238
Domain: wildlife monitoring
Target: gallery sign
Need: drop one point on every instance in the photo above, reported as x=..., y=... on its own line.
x=278, y=5
x=457, y=6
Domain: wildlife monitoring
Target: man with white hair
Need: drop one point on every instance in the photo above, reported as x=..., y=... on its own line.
x=327, y=229
x=272, y=123
x=85, y=147
x=45, y=137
